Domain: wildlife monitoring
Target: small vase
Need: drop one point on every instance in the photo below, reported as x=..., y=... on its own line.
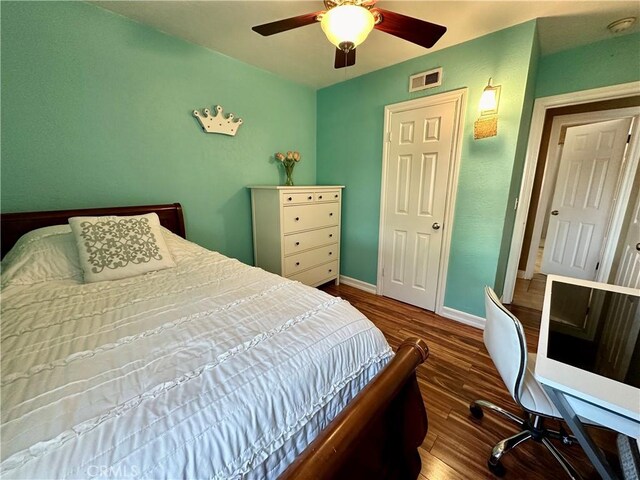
x=288, y=170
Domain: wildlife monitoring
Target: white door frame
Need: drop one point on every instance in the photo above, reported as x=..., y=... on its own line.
x=460, y=99
x=540, y=108
x=552, y=164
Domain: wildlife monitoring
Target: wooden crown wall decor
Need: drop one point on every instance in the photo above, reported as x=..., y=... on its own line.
x=218, y=123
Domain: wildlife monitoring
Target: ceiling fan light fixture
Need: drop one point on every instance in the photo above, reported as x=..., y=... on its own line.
x=347, y=26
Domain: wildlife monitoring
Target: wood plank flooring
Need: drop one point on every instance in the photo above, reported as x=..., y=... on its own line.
x=530, y=293
x=458, y=371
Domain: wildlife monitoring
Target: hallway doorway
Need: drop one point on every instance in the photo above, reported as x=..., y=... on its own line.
x=553, y=117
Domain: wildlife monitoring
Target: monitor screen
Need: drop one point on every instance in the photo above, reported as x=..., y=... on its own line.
x=595, y=329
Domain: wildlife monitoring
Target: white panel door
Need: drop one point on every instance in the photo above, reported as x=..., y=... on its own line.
x=619, y=339
x=419, y=155
x=628, y=274
x=583, y=197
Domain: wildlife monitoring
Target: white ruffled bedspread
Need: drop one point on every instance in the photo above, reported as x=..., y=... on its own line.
x=212, y=369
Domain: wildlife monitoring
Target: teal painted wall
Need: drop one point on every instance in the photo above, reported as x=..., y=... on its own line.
x=600, y=64
x=96, y=111
x=518, y=167
x=349, y=140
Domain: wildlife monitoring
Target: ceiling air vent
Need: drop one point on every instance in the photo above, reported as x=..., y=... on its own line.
x=430, y=79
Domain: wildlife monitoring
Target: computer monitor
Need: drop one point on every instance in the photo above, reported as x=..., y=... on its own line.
x=589, y=345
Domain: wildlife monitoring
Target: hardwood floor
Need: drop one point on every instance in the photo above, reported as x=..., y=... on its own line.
x=458, y=371
x=530, y=293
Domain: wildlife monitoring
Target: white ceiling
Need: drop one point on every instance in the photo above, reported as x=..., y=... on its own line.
x=305, y=56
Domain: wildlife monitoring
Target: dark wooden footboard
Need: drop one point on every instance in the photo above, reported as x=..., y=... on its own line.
x=378, y=434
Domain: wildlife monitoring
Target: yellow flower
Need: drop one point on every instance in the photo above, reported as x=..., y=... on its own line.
x=279, y=157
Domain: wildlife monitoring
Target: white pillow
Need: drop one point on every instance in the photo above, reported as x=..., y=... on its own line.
x=180, y=248
x=44, y=254
x=114, y=247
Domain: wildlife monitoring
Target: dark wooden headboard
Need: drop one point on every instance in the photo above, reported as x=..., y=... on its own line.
x=14, y=225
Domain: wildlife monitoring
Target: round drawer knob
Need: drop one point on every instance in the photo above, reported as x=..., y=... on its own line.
x=290, y=198
x=297, y=219
x=320, y=197
x=330, y=235
x=330, y=270
x=335, y=196
x=331, y=214
x=297, y=264
x=309, y=198
x=330, y=253
x=297, y=243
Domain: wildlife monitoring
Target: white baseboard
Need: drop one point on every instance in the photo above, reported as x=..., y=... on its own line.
x=463, y=317
x=353, y=282
x=447, y=312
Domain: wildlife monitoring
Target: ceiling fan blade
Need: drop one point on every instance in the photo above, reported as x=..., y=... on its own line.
x=286, y=24
x=417, y=31
x=345, y=59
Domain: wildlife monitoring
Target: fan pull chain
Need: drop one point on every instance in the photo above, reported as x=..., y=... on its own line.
x=346, y=56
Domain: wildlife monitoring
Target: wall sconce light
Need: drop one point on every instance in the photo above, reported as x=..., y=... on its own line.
x=487, y=125
x=490, y=99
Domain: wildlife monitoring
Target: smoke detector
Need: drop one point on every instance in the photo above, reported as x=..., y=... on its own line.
x=621, y=25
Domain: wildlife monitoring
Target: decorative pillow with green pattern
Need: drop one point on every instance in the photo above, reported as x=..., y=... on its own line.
x=114, y=247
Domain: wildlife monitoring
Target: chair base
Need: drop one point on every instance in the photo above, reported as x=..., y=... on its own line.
x=532, y=428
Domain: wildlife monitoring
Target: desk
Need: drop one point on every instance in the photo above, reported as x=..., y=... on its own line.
x=588, y=358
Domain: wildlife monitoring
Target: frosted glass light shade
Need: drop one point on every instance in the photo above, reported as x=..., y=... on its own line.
x=489, y=99
x=347, y=24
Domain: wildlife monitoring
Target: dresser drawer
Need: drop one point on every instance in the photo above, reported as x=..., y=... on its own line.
x=318, y=275
x=302, y=261
x=306, y=217
x=295, y=198
x=329, y=196
x=298, y=242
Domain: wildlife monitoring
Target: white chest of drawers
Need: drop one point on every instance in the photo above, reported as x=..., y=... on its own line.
x=296, y=231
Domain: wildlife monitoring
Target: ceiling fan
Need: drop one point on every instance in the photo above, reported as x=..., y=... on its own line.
x=347, y=23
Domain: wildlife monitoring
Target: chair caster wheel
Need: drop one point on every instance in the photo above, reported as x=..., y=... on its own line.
x=476, y=411
x=498, y=469
x=565, y=438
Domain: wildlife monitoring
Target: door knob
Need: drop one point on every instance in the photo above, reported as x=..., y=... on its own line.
x=554, y=212
x=436, y=226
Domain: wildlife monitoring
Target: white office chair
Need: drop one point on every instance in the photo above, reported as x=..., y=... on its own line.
x=505, y=341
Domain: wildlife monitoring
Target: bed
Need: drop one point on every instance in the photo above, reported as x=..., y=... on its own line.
x=211, y=369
